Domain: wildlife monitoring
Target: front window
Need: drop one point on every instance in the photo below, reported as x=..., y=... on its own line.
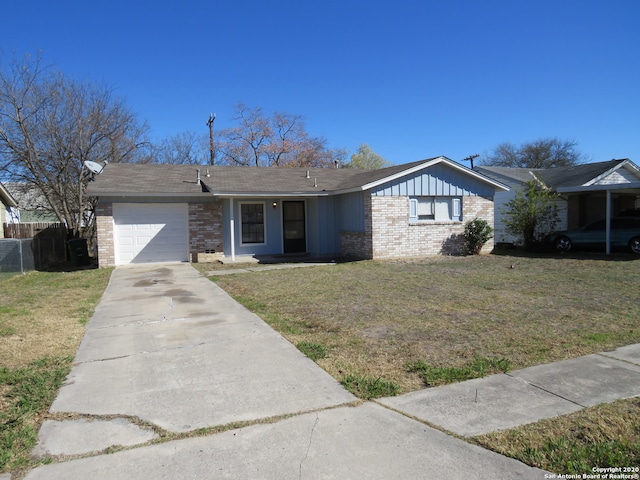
x=252, y=222
x=438, y=209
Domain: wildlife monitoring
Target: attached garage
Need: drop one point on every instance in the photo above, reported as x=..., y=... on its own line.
x=149, y=233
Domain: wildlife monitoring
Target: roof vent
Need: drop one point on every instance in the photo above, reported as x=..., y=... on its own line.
x=308, y=176
x=198, y=176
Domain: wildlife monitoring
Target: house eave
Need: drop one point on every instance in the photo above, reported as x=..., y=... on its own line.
x=349, y=190
x=427, y=164
x=323, y=193
x=148, y=194
x=601, y=188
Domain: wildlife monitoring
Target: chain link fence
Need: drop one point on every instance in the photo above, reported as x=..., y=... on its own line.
x=32, y=246
x=16, y=255
x=22, y=255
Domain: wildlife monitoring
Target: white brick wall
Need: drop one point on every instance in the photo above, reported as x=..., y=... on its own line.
x=393, y=236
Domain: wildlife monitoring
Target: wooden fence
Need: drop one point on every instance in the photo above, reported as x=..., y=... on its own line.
x=32, y=230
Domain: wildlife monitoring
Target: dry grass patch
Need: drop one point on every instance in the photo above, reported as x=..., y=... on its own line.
x=376, y=318
x=607, y=435
x=44, y=313
x=42, y=321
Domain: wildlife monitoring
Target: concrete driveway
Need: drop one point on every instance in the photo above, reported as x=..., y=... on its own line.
x=168, y=353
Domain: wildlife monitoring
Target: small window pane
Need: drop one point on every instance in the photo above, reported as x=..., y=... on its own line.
x=443, y=210
x=425, y=206
x=252, y=222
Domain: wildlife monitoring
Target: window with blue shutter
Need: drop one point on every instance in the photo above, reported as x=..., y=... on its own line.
x=456, y=209
x=413, y=209
x=438, y=209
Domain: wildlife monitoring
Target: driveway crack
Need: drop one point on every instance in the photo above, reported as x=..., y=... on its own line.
x=164, y=315
x=306, y=455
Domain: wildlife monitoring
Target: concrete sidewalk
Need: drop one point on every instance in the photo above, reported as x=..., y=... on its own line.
x=503, y=401
x=167, y=353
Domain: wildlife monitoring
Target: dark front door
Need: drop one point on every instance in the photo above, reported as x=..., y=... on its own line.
x=294, y=227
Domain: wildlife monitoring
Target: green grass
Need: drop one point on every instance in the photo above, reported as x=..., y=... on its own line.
x=478, y=367
x=7, y=275
x=42, y=318
x=315, y=351
x=28, y=393
x=369, y=388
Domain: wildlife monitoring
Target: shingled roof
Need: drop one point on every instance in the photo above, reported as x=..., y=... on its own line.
x=6, y=197
x=126, y=179
x=559, y=177
x=576, y=174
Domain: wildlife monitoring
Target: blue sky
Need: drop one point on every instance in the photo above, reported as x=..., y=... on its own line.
x=413, y=79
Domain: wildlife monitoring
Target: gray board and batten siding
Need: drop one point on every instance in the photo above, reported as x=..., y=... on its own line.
x=437, y=180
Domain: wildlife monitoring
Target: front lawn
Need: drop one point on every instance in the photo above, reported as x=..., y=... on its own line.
x=427, y=322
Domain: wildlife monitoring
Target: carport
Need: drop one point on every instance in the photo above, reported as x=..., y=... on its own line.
x=611, y=191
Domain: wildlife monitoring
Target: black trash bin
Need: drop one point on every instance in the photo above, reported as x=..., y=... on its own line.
x=78, y=252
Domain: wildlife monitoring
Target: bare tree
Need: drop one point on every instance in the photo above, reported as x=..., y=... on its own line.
x=280, y=140
x=245, y=144
x=50, y=126
x=186, y=148
x=543, y=153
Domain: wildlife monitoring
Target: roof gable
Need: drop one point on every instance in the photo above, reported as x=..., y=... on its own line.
x=624, y=172
x=584, y=175
x=390, y=174
x=576, y=175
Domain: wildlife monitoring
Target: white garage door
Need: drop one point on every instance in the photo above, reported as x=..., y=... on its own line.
x=146, y=233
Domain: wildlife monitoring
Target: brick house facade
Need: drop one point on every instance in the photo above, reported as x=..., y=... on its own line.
x=389, y=233
x=206, y=241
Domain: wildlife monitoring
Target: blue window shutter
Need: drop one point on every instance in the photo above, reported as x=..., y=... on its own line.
x=413, y=209
x=457, y=211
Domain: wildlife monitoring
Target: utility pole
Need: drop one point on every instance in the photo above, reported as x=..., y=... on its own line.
x=470, y=159
x=212, y=117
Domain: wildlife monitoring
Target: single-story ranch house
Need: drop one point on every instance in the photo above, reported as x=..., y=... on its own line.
x=588, y=192
x=162, y=213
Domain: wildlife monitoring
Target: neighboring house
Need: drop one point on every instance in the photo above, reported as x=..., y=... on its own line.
x=8, y=208
x=588, y=192
x=32, y=205
x=157, y=213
